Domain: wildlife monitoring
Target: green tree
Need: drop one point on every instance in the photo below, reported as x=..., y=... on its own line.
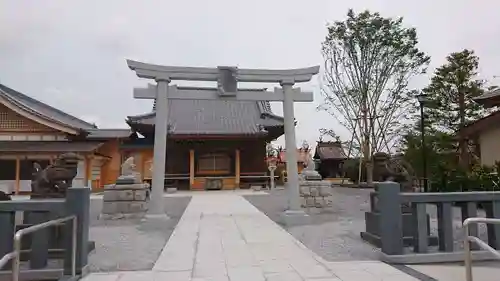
x=368, y=63
x=450, y=94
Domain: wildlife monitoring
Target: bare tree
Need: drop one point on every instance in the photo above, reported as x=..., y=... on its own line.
x=368, y=63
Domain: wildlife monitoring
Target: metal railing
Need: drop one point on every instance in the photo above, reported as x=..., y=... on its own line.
x=16, y=254
x=479, y=242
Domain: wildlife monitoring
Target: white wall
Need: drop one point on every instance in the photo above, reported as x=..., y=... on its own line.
x=489, y=142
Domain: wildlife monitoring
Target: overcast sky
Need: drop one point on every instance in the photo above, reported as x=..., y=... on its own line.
x=71, y=54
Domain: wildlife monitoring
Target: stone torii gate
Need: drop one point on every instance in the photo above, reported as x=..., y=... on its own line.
x=227, y=79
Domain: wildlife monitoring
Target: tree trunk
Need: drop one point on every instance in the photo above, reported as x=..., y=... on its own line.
x=366, y=144
x=462, y=140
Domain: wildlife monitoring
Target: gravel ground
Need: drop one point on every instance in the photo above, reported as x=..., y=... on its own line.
x=131, y=244
x=334, y=232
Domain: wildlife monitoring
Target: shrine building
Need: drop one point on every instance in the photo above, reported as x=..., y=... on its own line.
x=218, y=144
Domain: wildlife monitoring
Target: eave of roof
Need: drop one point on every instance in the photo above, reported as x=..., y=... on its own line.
x=108, y=133
x=42, y=110
x=489, y=99
x=482, y=124
x=48, y=146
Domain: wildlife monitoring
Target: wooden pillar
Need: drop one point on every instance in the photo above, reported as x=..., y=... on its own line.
x=191, y=167
x=237, y=168
x=18, y=174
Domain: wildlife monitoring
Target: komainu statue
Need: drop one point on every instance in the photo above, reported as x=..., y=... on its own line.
x=55, y=179
x=129, y=172
x=387, y=168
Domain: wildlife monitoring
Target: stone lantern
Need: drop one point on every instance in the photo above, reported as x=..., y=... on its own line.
x=271, y=166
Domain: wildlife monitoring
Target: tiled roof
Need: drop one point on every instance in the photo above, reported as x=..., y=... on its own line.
x=43, y=110
x=108, y=133
x=330, y=150
x=214, y=117
x=48, y=146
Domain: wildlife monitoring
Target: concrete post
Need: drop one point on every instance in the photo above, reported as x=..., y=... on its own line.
x=78, y=204
x=292, y=184
x=156, y=205
x=391, y=221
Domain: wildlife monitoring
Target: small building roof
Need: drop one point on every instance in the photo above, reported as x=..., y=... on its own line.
x=214, y=117
x=489, y=99
x=329, y=150
x=41, y=109
x=48, y=146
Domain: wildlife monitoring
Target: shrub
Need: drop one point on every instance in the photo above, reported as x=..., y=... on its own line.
x=481, y=178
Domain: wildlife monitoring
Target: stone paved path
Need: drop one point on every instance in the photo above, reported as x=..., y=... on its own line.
x=223, y=237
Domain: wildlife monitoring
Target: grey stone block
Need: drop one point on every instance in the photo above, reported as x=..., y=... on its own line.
x=135, y=186
x=109, y=208
x=140, y=195
x=125, y=207
x=125, y=180
x=309, y=202
x=136, y=207
x=118, y=195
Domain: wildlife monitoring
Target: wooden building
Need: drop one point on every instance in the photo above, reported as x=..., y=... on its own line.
x=330, y=156
x=32, y=131
x=212, y=144
x=486, y=131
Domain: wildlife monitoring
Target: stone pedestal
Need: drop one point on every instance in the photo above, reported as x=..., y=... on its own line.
x=124, y=200
x=315, y=194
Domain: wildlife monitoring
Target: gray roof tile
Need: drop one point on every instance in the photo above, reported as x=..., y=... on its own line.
x=43, y=110
x=215, y=117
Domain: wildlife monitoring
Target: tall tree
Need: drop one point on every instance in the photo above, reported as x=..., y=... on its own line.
x=368, y=63
x=451, y=92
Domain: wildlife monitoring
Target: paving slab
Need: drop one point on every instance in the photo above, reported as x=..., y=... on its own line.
x=221, y=236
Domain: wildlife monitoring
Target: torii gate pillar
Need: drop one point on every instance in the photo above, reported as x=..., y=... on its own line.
x=156, y=206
